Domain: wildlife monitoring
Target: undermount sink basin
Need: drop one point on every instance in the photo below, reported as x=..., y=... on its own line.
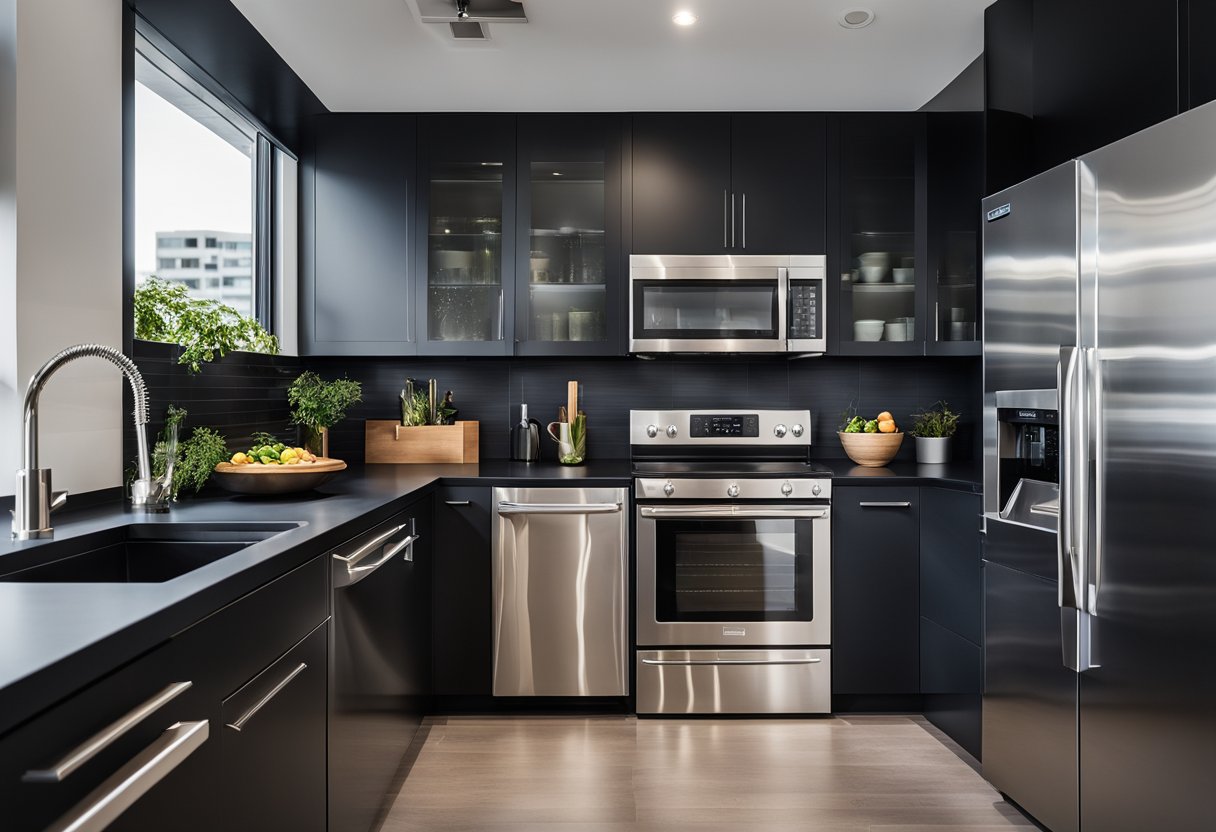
x=136, y=553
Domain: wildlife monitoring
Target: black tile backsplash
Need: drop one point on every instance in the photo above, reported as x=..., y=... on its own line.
x=244, y=393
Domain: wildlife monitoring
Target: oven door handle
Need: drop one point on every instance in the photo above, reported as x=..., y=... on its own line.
x=688, y=662
x=713, y=512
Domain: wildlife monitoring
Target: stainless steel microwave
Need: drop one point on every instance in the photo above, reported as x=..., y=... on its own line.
x=727, y=303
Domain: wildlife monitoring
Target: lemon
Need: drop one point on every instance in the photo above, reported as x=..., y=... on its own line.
x=239, y=458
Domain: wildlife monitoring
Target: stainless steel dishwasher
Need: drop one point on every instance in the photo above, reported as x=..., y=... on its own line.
x=560, y=592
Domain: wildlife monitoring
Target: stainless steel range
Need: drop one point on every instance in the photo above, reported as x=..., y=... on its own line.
x=733, y=563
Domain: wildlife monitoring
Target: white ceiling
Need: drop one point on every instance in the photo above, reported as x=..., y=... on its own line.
x=613, y=55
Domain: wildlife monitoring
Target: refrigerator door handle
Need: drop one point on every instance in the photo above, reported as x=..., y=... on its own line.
x=1094, y=569
x=1072, y=539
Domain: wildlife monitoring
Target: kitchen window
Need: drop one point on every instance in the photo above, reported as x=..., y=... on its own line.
x=205, y=181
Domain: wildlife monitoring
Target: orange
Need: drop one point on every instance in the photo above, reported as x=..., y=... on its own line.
x=885, y=416
x=886, y=426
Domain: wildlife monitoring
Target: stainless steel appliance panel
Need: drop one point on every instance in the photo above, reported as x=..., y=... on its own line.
x=1030, y=294
x=378, y=683
x=560, y=561
x=786, y=520
x=726, y=303
x=1030, y=697
x=1148, y=712
x=734, y=681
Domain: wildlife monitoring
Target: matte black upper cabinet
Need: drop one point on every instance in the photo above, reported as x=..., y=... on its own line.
x=465, y=254
x=568, y=273
x=715, y=183
x=356, y=198
x=882, y=243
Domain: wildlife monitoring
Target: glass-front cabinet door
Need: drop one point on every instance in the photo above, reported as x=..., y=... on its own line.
x=956, y=186
x=882, y=247
x=568, y=273
x=467, y=175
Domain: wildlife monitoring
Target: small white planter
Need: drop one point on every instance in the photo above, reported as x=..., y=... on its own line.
x=932, y=450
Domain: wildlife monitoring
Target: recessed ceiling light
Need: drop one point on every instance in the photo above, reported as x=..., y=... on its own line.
x=855, y=18
x=684, y=18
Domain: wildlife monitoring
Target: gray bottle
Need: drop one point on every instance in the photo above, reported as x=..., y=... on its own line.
x=525, y=438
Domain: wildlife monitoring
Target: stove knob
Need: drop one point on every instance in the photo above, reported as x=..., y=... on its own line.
x=796, y=430
x=668, y=488
x=652, y=431
x=732, y=490
x=816, y=490
x=672, y=430
x=787, y=489
x=779, y=431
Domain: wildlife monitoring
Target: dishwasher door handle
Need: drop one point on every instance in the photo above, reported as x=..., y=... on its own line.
x=508, y=509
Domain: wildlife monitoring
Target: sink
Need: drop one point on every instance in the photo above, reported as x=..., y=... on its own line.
x=136, y=553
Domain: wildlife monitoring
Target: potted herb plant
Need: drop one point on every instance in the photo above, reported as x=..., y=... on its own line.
x=317, y=405
x=933, y=429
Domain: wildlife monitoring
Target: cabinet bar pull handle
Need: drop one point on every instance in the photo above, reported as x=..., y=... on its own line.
x=104, y=738
x=355, y=556
x=887, y=504
x=745, y=219
x=733, y=224
x=261, y=703
x=456, y=502
x=725, y=221
x=124, y=787
x=687, y=662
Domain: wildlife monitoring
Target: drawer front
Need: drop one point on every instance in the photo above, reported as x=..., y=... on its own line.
x=734, y=681
x=272, y=741
x=236, y=643
x=71, y=757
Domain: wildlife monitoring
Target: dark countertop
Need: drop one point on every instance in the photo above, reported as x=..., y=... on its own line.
x=59, y=637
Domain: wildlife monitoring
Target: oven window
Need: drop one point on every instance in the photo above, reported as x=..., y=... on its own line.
x=733, y=570
x=705, y=309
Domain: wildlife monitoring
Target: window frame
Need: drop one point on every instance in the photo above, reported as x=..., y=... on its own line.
x=143, y=41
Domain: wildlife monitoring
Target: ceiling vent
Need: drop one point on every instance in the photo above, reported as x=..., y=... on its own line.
x=467, y=19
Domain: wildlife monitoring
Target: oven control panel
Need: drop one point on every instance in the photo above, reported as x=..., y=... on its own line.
x=741, y=488
x=661, y=428
x=738, y=424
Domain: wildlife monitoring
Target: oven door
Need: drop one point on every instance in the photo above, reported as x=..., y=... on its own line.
x=737, y=574
x=687, y=306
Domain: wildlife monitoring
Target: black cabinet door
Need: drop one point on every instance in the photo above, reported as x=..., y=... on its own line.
x=272, y=743
x=951, y=587
x=875, y=609
x=955, y=190
x=880, y=249
x=465, y=231
x=463, y=635
x=569, y=277
x=681, y=184
x=357, y=196
x=163, y=703
x=778, y=178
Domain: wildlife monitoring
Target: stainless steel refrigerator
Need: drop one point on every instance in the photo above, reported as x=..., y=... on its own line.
x=1100, y=485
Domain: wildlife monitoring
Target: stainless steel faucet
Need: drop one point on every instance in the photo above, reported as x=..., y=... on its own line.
x=34, y=500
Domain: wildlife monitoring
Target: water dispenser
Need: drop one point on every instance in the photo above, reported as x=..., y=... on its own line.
x=1028, y=457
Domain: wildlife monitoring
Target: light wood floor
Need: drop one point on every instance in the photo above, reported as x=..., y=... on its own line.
x=619, y=774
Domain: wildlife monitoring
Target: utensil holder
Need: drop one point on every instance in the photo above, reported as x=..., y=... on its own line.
x=571, y=439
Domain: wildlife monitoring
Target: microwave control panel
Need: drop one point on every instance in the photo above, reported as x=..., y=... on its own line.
x=740, y=424
x=805, y=306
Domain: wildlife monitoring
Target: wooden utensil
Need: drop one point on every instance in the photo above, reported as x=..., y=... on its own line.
x=571, y=401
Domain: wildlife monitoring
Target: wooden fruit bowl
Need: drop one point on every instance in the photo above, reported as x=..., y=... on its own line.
x=872, y=450
x=276, y=479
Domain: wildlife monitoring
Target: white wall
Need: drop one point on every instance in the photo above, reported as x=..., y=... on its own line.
x=67, y=246
x=10, y=420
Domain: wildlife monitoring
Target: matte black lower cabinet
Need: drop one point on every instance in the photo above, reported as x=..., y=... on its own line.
x=875, y=604
x=463, y=630
x=272, y=743
x=951, y=605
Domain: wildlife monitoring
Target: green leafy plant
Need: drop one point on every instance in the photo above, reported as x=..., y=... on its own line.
x=417, y=411
x=205, y=329
x=198, y=457
x=937, y=422
x=317, y=403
